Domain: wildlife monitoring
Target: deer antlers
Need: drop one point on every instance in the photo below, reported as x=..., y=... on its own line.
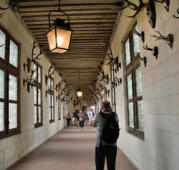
x=34, y=58
x=169, y=38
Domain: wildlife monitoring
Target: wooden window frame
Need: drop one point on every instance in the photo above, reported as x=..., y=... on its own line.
x=38, y=85
x=51, y=93
x=9, y=69
x=130, y=69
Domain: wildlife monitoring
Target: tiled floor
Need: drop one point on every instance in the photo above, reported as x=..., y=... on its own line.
x=68, y=150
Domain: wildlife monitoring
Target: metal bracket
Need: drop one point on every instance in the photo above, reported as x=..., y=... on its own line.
x=155, y=50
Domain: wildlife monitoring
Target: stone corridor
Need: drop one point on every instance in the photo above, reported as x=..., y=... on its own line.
x=68, y=150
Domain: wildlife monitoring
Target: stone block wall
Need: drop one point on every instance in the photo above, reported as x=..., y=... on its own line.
x=15, y=147
x=160, y=79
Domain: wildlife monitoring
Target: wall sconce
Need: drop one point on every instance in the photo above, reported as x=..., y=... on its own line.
x=155, y=51
x=141, y=35
x=59, y=34
x=169, y=38
x=174, y=16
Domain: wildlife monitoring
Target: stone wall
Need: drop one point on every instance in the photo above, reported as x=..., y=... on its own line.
x=15, y=147
x=160, y=79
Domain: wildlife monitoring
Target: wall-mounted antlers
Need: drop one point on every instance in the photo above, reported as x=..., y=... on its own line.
x=35, y=56
x=117, y=81
x=166, y=4
x=174, y=16
x=11, y=5
x=101, y=71
x=28, y=65
x=118, y=64
x=144, y=59
x=141, y=35
x=150, y=6
x=109, y=56
x=51, y=71
x=155, y=50
x=169, y=38
x=30, y=81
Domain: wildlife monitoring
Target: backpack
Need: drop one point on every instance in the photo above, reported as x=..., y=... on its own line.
x=110, y=128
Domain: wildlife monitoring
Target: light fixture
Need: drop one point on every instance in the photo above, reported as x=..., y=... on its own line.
x=59, y=34
x=79, y=92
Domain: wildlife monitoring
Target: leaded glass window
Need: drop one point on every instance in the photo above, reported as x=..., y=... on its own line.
x=13, y=54
x=134, y=85
x=37, y=96
x=136, y=43
x=127, y=50
x=2, y=44
x=9, y=85
x=51, y=101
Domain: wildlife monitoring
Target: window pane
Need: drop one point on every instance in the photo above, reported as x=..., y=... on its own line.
x=127, y=50
x=2, y=44
x=136, y=43
x=12, y=115
x=12, y=88
x=51, y=84
x=35, y=71
x=53, y=114
x=131, y=114
x=129, y=86
x=35, y=114
x=138, y=82
x=1, y=84
x=39, y=114
x=39, y=96
x=1, y=116
x=52, y=103
x=39, y=74
x=140, y=115
x=13, y=56
x=35, y=95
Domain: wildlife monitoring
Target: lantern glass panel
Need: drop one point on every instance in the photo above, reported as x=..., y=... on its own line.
x=51, y=39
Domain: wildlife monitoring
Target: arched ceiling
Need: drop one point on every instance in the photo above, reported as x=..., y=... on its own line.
x=92, y=23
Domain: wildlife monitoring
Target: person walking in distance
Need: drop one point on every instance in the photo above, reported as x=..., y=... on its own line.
x=107, y=132
x=81, y=119
x=68, y=118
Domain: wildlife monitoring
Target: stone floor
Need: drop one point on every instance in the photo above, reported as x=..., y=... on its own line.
x=68, y=150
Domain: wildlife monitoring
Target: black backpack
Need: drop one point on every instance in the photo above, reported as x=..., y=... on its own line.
x=110, y=128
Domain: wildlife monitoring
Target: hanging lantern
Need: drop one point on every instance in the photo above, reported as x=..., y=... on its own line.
x=79, y=93
x=59, y=34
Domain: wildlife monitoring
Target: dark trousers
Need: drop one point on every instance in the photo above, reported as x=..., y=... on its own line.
x=108, y=152
x=68, y=122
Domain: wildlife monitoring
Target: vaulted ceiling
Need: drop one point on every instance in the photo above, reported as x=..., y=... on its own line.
x=92, y=23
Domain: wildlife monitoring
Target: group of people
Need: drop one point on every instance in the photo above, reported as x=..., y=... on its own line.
x=78, y=118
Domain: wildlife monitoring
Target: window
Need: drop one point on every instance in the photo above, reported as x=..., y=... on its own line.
x=9, y=85
x=59, y=105
x=134, y=85
x=50, y=94
x=37, y=95
x=113, y=94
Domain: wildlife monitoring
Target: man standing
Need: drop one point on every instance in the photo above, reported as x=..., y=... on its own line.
x=106, y=123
